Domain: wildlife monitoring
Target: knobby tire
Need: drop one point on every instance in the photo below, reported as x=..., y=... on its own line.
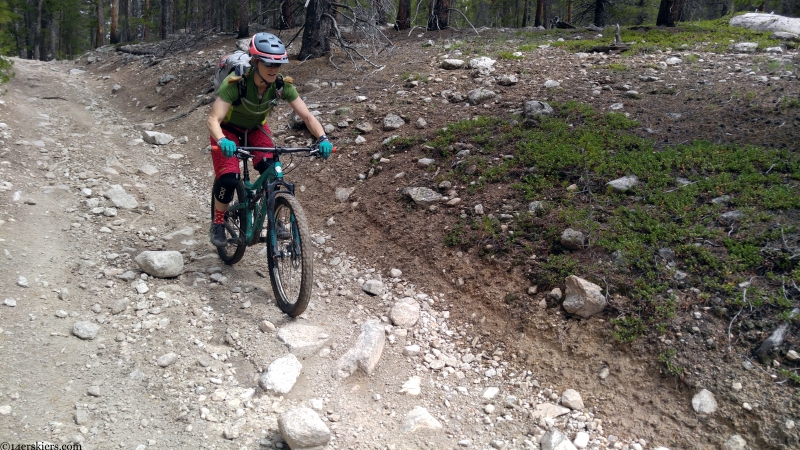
x=291, y=273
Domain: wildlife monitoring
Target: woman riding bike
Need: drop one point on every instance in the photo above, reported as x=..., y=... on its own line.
x=240, y=110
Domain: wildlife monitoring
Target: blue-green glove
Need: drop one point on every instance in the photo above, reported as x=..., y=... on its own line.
x=227, y=146
x=325, y=147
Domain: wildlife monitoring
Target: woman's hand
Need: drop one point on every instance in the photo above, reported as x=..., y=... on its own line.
x=325, y=147
x=227, y=146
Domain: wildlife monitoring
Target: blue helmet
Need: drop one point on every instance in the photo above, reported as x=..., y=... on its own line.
x=268, y=48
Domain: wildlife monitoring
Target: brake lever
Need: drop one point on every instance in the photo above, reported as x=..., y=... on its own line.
x=239, y=153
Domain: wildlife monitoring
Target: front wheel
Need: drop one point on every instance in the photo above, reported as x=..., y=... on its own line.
x=235, y=219
x=290, y=262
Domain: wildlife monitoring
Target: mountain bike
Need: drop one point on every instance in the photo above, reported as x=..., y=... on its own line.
x=266, y=211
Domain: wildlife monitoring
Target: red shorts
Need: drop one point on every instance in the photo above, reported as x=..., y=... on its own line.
x=255, y=138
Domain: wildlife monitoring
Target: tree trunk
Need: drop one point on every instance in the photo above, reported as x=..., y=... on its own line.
x=664, y=18
x=146, y=17
x=126, y=24
x=164, y=18
x=525, y=14
x=404, y=15
x=53, y=38
x=316, y=30
x=380, y=12
x=600, y=13
x=439, y=16
x=244, y=20
x=100, y=37
x=37, y=31
x=115, y=22
x=677, y=11
x=569, y=11
x=539, y=20
x=287, y=15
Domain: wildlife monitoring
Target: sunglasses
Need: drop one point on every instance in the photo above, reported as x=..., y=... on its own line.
x=270, y=65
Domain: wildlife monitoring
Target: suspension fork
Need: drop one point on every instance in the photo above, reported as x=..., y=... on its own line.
x=273, y=189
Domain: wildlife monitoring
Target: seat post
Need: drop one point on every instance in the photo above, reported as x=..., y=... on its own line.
x=245, y=170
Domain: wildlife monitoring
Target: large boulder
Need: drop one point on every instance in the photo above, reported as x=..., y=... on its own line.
x=160, y=264
x=766, y=22
x=302, y=428
x=365, y=354
x=156, y=138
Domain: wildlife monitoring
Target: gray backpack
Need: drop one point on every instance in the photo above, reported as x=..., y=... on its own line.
x=237, y=61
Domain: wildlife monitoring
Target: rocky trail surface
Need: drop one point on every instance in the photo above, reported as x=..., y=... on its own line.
x=97, y=351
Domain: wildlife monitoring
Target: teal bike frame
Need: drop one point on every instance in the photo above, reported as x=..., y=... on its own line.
x=259, y=196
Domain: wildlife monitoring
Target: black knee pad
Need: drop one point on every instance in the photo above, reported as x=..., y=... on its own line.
x=225, y=187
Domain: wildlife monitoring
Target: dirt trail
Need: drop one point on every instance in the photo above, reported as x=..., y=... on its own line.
x=68, y=140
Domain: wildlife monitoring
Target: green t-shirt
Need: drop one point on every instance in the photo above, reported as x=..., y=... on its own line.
x=252, y=111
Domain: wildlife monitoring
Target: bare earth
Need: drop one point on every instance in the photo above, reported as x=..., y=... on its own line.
x=64, y=131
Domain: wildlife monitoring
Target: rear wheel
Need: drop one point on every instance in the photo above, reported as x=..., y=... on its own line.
x=234, y=221
x=290, y=263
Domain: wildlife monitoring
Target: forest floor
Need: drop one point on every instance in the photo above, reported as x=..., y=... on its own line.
x=725, y=98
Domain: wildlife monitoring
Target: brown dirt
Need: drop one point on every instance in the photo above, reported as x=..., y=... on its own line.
x=379, y=224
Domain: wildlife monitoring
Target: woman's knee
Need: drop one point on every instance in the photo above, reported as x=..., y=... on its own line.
x=225, y=187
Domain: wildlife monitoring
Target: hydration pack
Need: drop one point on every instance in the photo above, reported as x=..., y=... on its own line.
x=237, y=62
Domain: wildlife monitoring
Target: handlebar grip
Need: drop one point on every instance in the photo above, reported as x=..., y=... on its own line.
x=215, y=147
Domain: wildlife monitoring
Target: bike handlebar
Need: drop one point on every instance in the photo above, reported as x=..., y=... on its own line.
x=245, y=151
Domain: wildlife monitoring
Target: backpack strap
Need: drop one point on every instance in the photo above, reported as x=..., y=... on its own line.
x=279, y=87
x=242, y=86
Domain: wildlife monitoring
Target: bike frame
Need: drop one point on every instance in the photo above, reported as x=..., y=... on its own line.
x=258, y=207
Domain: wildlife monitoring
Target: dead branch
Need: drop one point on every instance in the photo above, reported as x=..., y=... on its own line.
x=295, y=36
x=786, y=246
x=744, y=301
x=465, y=18
x=134, y=51
x=349, y=49
x=205, y=100
x=369, y=23
x=330, y=60
x=414, y=19
x=414, y=28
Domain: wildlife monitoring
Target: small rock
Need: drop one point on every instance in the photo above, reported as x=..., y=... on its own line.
x=81, y=417
x=266, y=326
x=373, y=287
x=704, y=402
x=119, y=306
x=735, y=442
x=420, y=419
x=86, y=330
x=572, y=399
x=412, y=387
x=167, y=360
